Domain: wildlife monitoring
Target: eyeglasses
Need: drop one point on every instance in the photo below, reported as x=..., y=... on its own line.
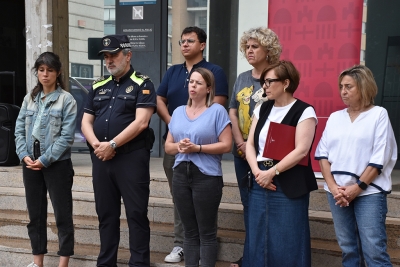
x=189, y=41
x=268, y=82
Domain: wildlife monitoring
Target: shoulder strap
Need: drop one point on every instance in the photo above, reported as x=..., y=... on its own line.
x=295, y=112
x=101, y=81
x=139, y=78
x=265, y=110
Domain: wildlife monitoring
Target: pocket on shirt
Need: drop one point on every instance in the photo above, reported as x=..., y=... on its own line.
x=100, y=102
x=55, y=120
x=28, y=121
x=29, y=117
x=125, y=103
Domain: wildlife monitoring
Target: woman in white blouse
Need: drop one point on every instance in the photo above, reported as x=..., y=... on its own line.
x=357, y=153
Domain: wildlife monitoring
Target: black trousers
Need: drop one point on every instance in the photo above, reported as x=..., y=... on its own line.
x=127, y=176
x=57, y=179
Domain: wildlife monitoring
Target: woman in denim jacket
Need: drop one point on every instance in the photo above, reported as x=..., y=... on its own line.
x=44, y=135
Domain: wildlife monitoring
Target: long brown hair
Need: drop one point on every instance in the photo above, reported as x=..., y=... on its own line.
x=51, y=60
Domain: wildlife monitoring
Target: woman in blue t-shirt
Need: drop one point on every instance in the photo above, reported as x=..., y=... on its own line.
x=199, y=133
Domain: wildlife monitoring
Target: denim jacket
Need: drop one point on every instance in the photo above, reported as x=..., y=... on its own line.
x=57, y=127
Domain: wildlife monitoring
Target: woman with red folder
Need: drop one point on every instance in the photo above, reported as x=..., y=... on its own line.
x=279, y=196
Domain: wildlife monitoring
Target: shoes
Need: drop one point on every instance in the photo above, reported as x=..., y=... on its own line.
x=32, y=265
x=176, y=255
x=237, y=263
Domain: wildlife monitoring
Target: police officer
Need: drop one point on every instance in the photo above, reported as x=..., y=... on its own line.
x=116, y=126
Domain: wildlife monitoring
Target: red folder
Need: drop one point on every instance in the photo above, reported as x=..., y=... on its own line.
x=280, y=142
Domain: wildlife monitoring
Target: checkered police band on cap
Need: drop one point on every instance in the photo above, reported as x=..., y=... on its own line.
x=114, y=43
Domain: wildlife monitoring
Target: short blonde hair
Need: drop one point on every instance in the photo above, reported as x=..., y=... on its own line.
x=208, y=77
x=266, y=38
x=365, y=83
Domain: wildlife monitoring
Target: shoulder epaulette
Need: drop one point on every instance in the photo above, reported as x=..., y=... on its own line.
x=101, y=81
x=102, y=78
x=139, y=78
x=142, y=76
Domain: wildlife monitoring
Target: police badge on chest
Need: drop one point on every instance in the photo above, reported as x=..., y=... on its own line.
x=104, y=91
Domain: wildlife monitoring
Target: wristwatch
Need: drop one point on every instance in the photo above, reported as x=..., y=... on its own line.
x=276, y=170
x=362, y=185
x=113, y=145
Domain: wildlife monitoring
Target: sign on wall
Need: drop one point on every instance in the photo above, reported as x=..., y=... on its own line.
x=137, y=2
x=321, y=38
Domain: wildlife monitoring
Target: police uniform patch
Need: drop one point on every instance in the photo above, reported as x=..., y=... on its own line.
x=129, y=89
x=103, y=91
x=106, y=42
x=146, y=91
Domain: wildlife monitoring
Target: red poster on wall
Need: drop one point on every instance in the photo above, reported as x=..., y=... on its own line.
x=321, y=38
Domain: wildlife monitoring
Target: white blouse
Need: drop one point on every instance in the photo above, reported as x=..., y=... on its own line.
x=277, y=115
x=352, y=146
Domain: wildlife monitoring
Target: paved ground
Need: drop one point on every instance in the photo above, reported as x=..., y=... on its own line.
x=82, y=165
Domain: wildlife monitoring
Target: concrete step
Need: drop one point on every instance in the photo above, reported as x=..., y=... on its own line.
x=321, y=225
x=160, y=210
x=17, y=252
x=13, y=226
x=328, y=253
x=230, y=215
x=12, y=177
x=324, y=246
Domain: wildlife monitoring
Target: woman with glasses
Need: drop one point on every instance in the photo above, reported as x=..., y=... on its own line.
x=279, y=232
x=44, y=134
x=260, y=46
x=357, y=153
x=199, y=133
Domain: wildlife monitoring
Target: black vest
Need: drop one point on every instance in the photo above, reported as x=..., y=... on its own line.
x=298, y=180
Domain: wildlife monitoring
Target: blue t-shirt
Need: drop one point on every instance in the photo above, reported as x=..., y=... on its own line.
x=205, y=129
x=174, y=85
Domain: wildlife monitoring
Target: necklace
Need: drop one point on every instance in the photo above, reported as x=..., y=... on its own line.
x=197, y=110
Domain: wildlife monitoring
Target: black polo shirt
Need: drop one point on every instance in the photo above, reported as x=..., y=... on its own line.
x=114, y=103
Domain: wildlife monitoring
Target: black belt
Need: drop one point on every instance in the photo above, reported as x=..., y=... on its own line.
x=267, y=163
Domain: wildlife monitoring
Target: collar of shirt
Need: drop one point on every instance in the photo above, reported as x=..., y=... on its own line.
x=198, y=64
x=125, y=76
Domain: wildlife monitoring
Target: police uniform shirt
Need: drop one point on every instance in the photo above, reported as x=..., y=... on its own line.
x=114, y=103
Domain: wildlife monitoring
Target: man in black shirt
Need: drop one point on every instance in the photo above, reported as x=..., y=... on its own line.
x=116, y=127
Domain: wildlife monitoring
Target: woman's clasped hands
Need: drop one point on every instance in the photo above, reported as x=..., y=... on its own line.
x=185, y=146
x=265, y=179
x=345, y=194
x=34, y=165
